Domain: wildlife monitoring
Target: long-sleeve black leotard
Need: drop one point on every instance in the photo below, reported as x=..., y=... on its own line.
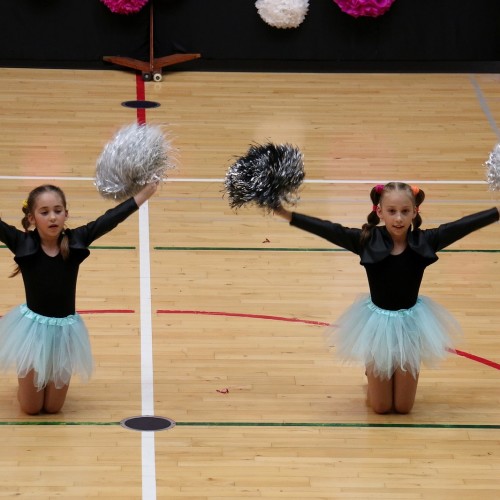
x=50, y=282
x=394, y=280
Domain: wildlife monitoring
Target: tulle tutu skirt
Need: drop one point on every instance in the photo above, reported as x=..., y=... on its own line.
x=385, y=340
x=55, y=348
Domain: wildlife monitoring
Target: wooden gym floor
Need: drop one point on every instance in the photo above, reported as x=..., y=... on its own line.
x=215, y=319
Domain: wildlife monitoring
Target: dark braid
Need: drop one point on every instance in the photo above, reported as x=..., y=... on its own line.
x=376, y=194
x=419, y=199
x=372, y=219
x=29, y=208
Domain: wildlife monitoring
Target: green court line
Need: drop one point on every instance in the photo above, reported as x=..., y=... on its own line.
x=258, y=249
x=470, y=251
x=111, y=248
x=252, y=249
x=339, y=424
x=265, y=424
x=283, y=249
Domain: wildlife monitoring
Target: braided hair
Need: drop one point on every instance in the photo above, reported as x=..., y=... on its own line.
x=29, y=208
x=376, y=194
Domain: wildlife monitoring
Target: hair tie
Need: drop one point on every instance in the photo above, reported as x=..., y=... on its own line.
x=415, y=190
x=374, y=208
x=25, y=203
x=379, y=188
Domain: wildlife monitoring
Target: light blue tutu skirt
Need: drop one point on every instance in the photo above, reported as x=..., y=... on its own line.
x=385, y=340
x=55, y=348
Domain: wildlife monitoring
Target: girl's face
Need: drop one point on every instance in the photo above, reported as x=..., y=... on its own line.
x=397, y=210
x=49, y=215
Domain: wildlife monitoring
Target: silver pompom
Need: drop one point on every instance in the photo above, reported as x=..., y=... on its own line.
x=268, y=176
x=282, y=13
x=137, y=155
x=493, y=169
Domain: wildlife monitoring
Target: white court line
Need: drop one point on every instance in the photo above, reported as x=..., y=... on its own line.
x=348, y=181
x=306, y=181
x=148, y=466
x=148, y=438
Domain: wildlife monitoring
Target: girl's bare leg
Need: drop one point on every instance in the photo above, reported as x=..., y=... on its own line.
x=405, y=389
x=380, y=393
x=395, y=394
x=54, y=398
x=30, y=398
x=33, y=401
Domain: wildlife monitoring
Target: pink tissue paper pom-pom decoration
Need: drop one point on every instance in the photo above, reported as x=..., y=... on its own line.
x=125, y=6
x=369, y=8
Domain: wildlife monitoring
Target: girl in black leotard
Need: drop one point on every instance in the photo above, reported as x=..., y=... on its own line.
x=393, y=329
x=45, y=340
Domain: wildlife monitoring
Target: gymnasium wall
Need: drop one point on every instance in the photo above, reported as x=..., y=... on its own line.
x=439, y=35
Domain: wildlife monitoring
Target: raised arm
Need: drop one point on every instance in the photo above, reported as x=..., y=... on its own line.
x=448, y=233
x=145, y=193
x=282, y=212
x=83, y=236
x=335, y=233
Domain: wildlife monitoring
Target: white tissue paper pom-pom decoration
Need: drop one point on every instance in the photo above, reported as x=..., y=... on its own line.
x=493, y=169
x=282, y=13
x=138, y=154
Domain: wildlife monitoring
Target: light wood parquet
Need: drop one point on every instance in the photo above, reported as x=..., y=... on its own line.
x=263, y=410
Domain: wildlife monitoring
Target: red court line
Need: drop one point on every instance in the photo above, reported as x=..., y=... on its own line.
x=473, y=357
x=141, y=96
x=241, y=315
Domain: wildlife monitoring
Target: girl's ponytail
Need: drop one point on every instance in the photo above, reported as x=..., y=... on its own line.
x=64, y=245
x=419, y=196
x=372, y=218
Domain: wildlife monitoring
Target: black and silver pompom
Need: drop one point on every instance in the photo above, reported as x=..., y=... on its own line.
x=136, y=156
x=493, y=169
x=268, y=176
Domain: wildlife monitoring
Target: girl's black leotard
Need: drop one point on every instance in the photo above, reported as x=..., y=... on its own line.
x=50, y=282
x=394, y=280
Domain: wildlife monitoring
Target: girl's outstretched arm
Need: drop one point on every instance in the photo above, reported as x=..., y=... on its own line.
x=145, y=193
x=283, y=212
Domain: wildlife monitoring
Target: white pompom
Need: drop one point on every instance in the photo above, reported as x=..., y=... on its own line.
x=493, y=169
x=136, y=156
x=282, y=13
